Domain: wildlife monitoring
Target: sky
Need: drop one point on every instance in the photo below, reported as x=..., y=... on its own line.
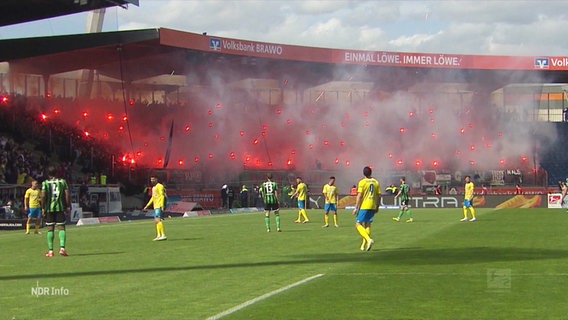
x=458, y=27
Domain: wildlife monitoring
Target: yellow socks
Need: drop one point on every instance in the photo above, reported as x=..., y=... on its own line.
x=303, y=213
x=472, y=210
x=363, y=232
x=160, y=229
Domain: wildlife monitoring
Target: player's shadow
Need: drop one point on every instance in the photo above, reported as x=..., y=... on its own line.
x=184, y=239
x=453, y=256
x=99, y=253
x=441, y=256
x=296, y=230
x=397, y=257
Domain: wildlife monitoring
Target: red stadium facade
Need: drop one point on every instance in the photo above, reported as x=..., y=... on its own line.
x=376, y=58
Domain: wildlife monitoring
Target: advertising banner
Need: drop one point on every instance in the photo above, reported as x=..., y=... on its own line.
x=555, y=200
x=450, y=201
x=181, y=39
x=205, y=198
x=12, y=224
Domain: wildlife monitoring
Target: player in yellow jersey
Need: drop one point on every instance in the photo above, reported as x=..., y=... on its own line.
x=366, y=205
x=468, y=199
x=331, y=200
x=32, y=205
x=158, y=199
x=301, y=191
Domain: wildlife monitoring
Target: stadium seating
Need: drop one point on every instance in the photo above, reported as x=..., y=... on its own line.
x=553, y=159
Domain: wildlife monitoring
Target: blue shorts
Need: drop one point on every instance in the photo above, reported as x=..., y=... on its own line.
x=365, y=215
x=157, y=212
x=301, y=204
x=330, y=207
x=467, y=203
x=34, y=212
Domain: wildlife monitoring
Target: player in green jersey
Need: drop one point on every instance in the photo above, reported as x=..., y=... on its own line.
x=56, y=204
x=404, y=195
x=269, y=193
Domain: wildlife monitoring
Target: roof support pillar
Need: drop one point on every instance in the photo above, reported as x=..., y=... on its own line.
x=46, y=92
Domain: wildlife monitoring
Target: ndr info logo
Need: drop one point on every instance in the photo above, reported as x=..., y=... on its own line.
x=49, y=291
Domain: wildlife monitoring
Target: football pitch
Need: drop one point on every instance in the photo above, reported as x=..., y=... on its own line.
x=510, y=264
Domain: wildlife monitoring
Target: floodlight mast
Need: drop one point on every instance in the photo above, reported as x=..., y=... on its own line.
x=95, y=20
x=94, y=24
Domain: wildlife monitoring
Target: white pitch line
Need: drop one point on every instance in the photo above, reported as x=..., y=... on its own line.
x=260, y=298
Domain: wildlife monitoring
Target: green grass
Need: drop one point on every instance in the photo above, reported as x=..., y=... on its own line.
x=510, y=264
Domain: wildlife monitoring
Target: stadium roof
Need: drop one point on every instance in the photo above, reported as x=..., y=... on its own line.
x=102, y=51
x=18, y=11
x=140, y=54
